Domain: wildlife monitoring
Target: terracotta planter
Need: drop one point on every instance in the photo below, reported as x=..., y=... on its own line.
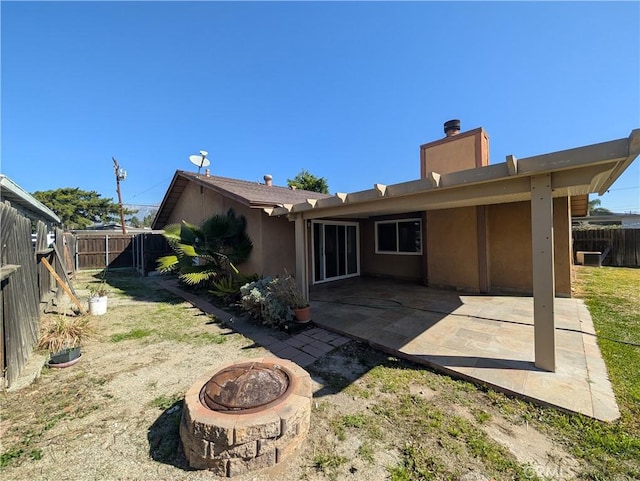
x=303, y=314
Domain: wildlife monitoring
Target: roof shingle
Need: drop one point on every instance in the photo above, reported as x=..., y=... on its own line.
x=252, y=194
x=255, y=193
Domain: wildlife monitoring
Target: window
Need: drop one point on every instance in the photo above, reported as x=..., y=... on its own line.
x=399, y=236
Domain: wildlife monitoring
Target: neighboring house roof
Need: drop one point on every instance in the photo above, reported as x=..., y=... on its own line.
x=25, y=202
x=115, y=226
x=251, y=194
x=112, y=227
x=631, y=221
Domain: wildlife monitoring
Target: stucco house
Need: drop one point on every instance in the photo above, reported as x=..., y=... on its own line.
x=196, y=197
x=465, y=224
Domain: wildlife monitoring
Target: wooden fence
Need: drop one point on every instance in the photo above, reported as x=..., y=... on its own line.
x=624, y=245
x=27, y=285
x=98, y=250
x=19, y=293
x=146, y=250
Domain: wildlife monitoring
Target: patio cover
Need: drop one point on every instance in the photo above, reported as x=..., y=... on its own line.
x=582, y=170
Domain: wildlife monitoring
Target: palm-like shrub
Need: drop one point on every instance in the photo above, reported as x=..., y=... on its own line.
x=204, y=253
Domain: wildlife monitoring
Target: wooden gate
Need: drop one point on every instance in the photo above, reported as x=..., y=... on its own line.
x=138, y=251
x=100, y=250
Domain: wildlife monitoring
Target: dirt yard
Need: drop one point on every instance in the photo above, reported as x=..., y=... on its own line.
x=115, y=414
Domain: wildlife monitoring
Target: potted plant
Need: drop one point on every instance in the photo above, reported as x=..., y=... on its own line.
x=98, y=298
x=62, y=337
x=299, y=304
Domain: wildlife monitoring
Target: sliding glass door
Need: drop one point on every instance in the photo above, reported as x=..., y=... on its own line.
x=335, y=250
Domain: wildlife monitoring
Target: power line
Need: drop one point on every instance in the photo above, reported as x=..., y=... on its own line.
x=150, y=188
x=625, y=188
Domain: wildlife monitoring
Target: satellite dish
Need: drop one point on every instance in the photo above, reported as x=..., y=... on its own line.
x=200, y=160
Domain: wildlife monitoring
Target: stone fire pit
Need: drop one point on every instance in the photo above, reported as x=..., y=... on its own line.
x=246, y=415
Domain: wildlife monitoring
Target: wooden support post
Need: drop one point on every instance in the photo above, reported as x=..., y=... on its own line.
x=543, y=272
x=63, y=285
x=301, y=256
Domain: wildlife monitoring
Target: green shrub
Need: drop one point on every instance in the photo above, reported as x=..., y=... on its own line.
x=227, y=288
x=266, y=301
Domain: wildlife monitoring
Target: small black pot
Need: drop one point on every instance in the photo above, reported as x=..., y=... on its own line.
x=66, y=355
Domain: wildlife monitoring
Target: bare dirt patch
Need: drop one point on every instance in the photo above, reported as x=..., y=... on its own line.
x=115, y=414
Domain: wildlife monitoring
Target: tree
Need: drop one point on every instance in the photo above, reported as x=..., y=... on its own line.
x=595, y=209
x=146, y=221
x=307, y=181
x=80, y=208
x=149, y=218
x=204, y=253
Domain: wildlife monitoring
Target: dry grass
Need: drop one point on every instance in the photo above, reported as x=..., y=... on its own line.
x=115, y=415
x=62, y=331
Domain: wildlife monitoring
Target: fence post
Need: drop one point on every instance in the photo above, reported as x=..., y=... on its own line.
x=142, y=262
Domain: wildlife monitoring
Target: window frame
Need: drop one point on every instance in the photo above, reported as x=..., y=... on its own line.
x=397, y=222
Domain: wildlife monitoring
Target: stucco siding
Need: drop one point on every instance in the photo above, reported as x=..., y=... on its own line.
x=510, y=256
x=278, y=245
x=195, y=207
x=510, y=246
x=562, y=244
x=255, y=263
x=450, y=156
x=453, y=154
x=452, y=248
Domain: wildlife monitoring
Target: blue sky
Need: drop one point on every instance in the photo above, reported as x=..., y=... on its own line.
x=346, y=90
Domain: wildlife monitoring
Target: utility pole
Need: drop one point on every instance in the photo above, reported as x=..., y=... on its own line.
x=120, y=175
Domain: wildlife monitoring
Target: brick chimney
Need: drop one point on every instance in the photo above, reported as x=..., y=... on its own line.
x=268, y=180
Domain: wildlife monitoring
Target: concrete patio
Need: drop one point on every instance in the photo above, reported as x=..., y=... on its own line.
x=484, y=339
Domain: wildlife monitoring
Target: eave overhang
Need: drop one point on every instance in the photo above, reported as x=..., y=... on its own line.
x=582, y=170
x=18, y=196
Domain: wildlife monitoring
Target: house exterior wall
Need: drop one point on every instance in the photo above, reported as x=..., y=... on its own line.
x=400, y=266
x=452, y=248
x=273, y=238
x=278, y=246
x=196, y=207
x=455, y=254
x=563, y=245
x=510, y=256
x=486, y=248
x=509, y=228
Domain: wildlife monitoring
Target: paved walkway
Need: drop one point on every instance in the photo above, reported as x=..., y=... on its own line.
x=484, y=339
x=303, y=348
